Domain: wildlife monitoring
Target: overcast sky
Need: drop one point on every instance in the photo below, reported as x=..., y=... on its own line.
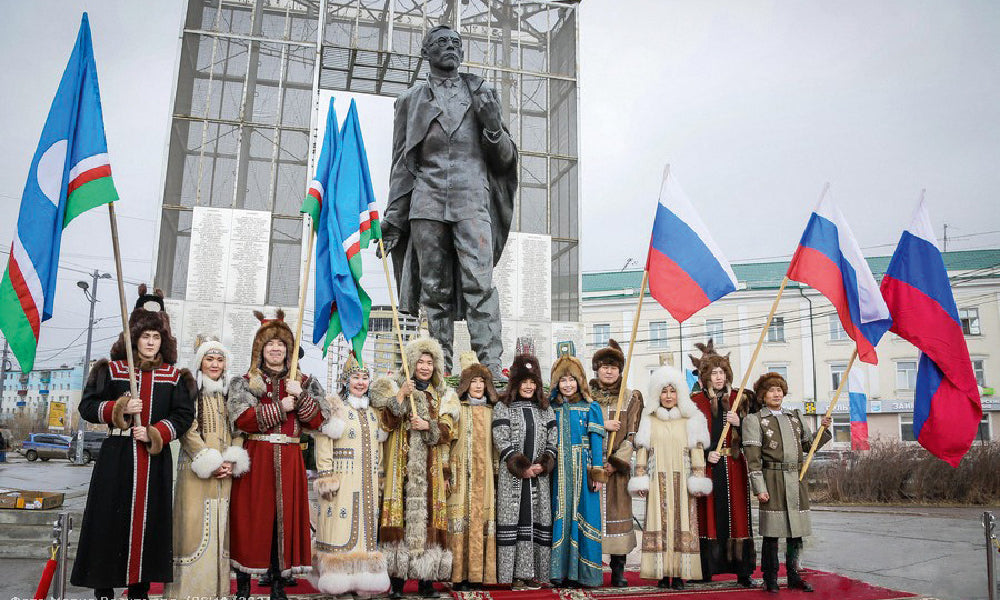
x=755, y=105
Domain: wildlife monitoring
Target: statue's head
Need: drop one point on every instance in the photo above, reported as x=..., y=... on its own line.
x=442, y=48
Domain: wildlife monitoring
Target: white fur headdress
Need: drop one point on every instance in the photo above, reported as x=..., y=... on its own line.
x=206, y=344
x=661, y=378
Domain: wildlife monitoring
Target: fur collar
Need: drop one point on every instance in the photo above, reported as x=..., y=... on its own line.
x=605, y=395
x=146, y=364
x=476, y=401
x=357, y=403
x=210, y=386
x=667, y=414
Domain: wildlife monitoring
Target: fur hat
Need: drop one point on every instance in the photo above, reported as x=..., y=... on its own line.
x=569, y=365
x=766, y=382
x=610, y=355
x=661, y=378
x=472, y=368
x=710, y=359
x=269, y=329
x=148, y=315
x=525, y=367
x=203, y=346
x=416, y=348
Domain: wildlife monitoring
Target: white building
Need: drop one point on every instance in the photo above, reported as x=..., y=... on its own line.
x=805, y=341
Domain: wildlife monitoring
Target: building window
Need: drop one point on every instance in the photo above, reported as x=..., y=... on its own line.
x=713, y=330
x=780, y=369
x=836, y=374
x=979, y=368
x=658, y=334
x=602, y=333
x=906, y=375
x=983, y=434
x=906, y=428
x=841, y=429
x=776, y=331
x=837, y=331
x=970, y=321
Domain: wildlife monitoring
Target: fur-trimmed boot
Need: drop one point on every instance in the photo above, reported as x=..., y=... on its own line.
x=242, y=586
x=426, y=589
x=278, y=587
x=618, y=571
x=769, y=564
x=396, y=587
x=793, y=552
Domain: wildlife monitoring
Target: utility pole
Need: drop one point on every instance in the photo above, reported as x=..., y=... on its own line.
x=945, y=237
x=4, y=367
x=92, y=296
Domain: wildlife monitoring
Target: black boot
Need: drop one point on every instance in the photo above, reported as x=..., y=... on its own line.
x=793, y=551
x=264, y=580
x=677, y=584
x=618, y=571
x=138, y=591
x=396, y=587
x=663, y=583
x=769, y=564
x=426, y=589
x=242, y=586
x=278, y=587
x=104, y=594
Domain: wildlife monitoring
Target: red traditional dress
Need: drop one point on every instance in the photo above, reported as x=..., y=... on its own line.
x=273, y=498
x=724, y=528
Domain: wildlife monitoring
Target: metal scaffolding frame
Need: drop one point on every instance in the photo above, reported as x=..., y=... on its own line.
x=247, y=89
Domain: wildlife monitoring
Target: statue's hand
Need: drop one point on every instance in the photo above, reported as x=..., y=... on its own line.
x=487, y=105
x=390, y=238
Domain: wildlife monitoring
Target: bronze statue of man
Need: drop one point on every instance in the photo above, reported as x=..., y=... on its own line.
x=451, y=199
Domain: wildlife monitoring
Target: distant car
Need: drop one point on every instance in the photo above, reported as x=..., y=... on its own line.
x=44, y=446
x=830, y=459
x=92, y=441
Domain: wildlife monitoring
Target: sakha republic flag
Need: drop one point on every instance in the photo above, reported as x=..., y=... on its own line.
x=829, y=260
x=687, y=270
x=947, y=406
x=858, y=409
x=70, y=173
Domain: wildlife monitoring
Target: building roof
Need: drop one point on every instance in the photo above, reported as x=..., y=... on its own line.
x=764, y=275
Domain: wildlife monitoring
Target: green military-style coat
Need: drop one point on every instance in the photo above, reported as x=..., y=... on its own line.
x=775, y=444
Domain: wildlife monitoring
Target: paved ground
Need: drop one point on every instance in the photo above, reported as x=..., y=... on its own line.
x=939, y=552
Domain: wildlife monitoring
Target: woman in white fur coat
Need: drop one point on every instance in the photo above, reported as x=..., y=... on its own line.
x=209, y=458
x=669, y=473
x=346, y=557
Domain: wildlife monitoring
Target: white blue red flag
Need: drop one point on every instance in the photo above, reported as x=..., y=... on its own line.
x=946, y=404
x=829, y=259
x=859, y=409
x=687, y=270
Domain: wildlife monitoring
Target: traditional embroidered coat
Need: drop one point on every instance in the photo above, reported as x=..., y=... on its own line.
x=724, y=515
x=273, y=498
x=413, y=523
x=472, y=502
x=576, y=530
x=619, y=529
x=201, y=502
x=670, y=462
x=524, y=509
x=775, y=443
x=126, y=533
x=348, y=453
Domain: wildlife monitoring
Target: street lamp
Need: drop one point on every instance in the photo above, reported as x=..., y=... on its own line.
x=90, y=291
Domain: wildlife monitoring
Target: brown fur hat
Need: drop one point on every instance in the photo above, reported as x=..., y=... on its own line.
x=523, y=368
x=148, y=315
x=710, y=359
x=570, y=365
x=610, y=355
x=472, y=368
x=766, y=382
x=270, y=329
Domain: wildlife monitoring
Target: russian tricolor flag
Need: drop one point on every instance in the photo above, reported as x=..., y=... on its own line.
x=829, y=259
x=946, y=404
x=859, y=409
x=687, y=270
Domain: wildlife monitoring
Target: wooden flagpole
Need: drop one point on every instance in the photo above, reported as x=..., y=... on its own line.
x=753, y=359
x=293, y=370
x=126, y=334
x=628, y=359
x=829, y=411
x=395, y=320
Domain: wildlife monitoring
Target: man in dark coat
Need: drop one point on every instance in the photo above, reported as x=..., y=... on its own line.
x=451, y=199
x=127, y=531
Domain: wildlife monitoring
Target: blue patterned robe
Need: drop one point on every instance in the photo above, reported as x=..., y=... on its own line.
x=576, y=530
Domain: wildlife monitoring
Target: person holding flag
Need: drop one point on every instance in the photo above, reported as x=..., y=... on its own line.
x=947, y=407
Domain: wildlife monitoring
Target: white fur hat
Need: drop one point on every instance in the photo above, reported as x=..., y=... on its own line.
x=205, y=344
x=662, y=377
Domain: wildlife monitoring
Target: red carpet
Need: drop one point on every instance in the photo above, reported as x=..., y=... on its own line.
x=829, y=586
